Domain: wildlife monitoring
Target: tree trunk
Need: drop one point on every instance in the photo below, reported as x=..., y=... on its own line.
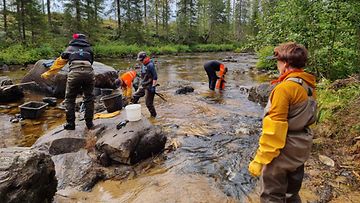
x=78, y=14
x=43, y=6
x=157, y=16
x=5, y=17
x=23, y=19
x=19, y=18
x=95, y=10
x=119, y=17
x=88, y=11
x=48, y=4
x=145, y=16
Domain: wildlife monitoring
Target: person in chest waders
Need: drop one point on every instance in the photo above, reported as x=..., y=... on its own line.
x=211, y=67
x=147, y=84
x=80, y=78
x=286, y=138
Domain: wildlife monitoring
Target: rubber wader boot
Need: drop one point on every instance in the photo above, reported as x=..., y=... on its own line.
x=69, y=126
x=89, y=125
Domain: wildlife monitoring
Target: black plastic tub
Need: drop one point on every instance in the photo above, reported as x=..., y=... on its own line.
x=50, y=100
x=112, y=102
x=32, y=109
x=106, y=91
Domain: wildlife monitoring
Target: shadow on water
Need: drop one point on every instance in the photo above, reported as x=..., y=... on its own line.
x=212, y=135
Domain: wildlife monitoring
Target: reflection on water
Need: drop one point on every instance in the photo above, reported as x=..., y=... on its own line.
x=164, y=187
x=26, y=132
x=215, y=135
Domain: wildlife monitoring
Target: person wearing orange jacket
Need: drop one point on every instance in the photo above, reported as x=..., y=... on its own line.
x=125, y=81
x=286, y=138
x=211, y=67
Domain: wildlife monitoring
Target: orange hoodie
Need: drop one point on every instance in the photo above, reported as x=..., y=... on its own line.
x=128, y=78
x=288, y=93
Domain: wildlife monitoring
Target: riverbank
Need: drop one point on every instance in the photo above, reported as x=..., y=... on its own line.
x=21, y=55
x=333, y=169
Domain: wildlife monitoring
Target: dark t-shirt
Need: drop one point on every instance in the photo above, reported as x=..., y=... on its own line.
x=212, y=65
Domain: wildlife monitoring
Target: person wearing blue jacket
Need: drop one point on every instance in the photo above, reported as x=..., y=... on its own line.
x=147, y=83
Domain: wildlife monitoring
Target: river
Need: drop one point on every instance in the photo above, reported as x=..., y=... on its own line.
x=213, y=135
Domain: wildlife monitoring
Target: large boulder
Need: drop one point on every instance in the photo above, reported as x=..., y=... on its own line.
x=77, y=153
x=56, y=85
x=8, y=92
x=60, y=141
x=26, y=175
x=260, y=94
x=135, y=141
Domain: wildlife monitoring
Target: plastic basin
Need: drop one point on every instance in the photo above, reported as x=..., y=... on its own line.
x=133, y=112
x=32, y=109
x=106, y=91
x=112, y=102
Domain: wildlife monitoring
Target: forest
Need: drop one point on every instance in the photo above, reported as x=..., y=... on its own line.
x=330, y=29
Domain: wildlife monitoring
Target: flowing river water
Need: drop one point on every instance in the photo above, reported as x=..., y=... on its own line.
x=213, y=135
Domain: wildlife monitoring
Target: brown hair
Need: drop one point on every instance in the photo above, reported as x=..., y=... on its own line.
x=292, y=53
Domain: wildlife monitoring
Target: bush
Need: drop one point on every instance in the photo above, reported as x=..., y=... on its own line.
x=212, y=47
x=264, y=63
x=330, y=100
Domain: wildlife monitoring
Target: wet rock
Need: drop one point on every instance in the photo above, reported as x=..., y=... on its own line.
x=56, y=85
x=14, y=120
x=26, y=175
x=326, y=160
x=133, y=142
x=260, y=94
x=61, y=141
x=4, y=67
x=244, y=89
x=341, y=83
x=229, y=59
x=9, y=93
x=74, y=169
x=325, y=193
x=77, y=162
x=184, y=90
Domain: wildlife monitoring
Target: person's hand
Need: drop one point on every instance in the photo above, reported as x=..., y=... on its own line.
x=152, y=89
x=255, y=168
x=45, y=76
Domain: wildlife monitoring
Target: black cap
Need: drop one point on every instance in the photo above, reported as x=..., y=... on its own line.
x=141, y=56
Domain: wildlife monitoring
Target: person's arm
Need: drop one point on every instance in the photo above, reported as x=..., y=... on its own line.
x=274, y=131
x=55, y=68
x=153, y=73
x=66, y=53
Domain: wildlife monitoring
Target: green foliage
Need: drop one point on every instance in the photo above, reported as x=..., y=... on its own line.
x=264, y=63
x=121, y=50
x=115, y=50
x=329, y=29
x=330, y=100
x=212, y=47
x=19, y=54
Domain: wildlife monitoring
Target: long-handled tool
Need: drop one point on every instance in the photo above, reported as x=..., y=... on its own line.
x=19, y=84
x=159, y=94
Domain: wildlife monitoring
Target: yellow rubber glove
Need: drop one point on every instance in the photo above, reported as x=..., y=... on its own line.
x=55, y=68
x=106, y=115
x=255, y=168
x=45, y=75
x=273, y=139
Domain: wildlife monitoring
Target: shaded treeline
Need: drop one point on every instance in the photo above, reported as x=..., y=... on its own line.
x=329, y=29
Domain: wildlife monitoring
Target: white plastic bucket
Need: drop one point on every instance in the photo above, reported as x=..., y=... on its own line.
x=133, y=112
